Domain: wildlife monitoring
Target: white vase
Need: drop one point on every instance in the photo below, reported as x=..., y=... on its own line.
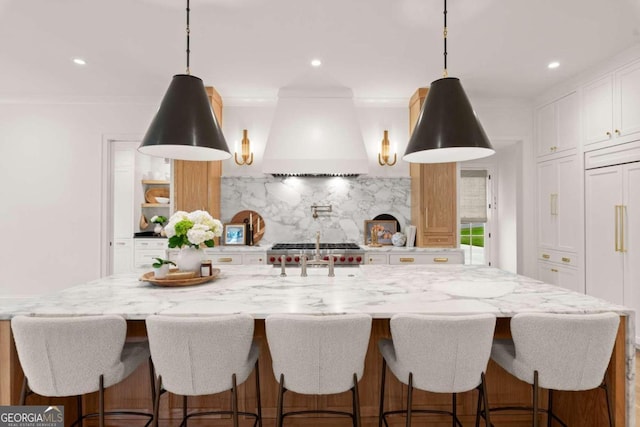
x=161, y=272
x=189, y=259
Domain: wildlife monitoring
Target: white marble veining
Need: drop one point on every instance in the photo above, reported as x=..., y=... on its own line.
x=285, y=205
x=380, y=290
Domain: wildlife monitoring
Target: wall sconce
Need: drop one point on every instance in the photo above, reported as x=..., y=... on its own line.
x=383, y=155
x=247, y=155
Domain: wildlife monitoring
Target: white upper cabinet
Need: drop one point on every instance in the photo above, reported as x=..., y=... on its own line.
x=612, y=108
x=558, y=125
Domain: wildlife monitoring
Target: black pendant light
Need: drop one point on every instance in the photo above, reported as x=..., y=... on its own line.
x=447, y=129
x=185, y=127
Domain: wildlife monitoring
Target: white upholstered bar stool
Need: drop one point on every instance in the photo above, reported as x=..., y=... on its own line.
x=317, y=355
x=439, y=354
x=196, y=356
x=73, y=356
x=568, y=352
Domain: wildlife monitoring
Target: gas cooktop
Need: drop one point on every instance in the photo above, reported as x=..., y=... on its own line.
x=323, y=246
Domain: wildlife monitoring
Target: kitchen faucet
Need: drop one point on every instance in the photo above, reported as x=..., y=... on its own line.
x=316, y=260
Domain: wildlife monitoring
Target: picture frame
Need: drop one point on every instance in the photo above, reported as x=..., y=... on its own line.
x=386, y=229
x=234, y=234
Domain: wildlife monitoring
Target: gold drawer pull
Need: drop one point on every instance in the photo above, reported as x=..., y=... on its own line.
x=565, y=259
x=546, y=256
x=554, y=270
x=441, y=260
x=225, y=259
x=407, y=260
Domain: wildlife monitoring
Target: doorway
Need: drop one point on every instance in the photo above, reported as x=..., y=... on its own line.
x=476, y=203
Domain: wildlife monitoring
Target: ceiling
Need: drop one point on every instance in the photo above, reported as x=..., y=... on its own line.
x=247, y=49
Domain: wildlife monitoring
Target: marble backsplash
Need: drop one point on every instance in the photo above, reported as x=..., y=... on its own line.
x=285, y=205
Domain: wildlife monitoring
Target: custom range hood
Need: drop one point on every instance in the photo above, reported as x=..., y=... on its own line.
x=315, y=131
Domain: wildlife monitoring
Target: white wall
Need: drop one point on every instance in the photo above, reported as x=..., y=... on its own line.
x=509, y=206
x=50, y=197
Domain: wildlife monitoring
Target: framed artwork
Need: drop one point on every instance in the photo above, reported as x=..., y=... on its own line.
x=384, y=229
x=234, y=234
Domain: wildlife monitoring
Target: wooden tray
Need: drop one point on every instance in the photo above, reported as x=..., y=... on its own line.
x=242, y=215
x=151, y=194
x=168, y=282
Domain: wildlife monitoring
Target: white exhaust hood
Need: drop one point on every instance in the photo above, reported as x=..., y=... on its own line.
x=315, y=131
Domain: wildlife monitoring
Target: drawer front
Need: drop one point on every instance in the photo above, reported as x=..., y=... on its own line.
x=436, y=240
x=422, y=258
x=145, y=257
x=151, y=243
x=224, y=259
x=563, y=258
x=376, y=259
x=254, y=259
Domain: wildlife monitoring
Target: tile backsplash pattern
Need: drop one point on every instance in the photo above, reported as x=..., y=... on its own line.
x=285, y=205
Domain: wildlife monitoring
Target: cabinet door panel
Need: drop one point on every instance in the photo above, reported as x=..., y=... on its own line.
x=547, y=129
x=547, y=178
x=567, y=203
x=568, y=122
x=546, y=273
x=631, y=229
x=628, y=94
x=598, y=110
x=440, y=197
x=569, y=278
x=604, y=266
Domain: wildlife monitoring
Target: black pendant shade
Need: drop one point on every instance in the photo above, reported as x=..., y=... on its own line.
x=447, y=129
x=185, y=127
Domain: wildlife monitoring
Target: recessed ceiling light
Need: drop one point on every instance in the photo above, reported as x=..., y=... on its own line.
x=554, y=64
x=79, y=61
x=316, y=63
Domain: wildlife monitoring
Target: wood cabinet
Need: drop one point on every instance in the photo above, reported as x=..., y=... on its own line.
x=197, y=184
x=613, y=234
x=433, y=193
x=612, y=108
x=558, y=125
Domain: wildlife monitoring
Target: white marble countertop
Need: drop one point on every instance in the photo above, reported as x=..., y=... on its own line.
x=380, y=290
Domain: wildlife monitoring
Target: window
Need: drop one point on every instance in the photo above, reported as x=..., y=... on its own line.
x=474, y=204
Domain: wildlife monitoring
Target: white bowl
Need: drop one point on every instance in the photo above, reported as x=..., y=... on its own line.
x=162, y=200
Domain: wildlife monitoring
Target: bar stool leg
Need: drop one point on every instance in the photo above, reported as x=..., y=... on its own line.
x=101, y=402
x=478, y=407
x=535, y=399
x=23, y=392
x=79, y=405
x=259, y=402
x=550, y=409
x=234, y=400
x=381, y=412
x=409, y=399
x=156, y=402
x=357, y=400
x=454, y=410
x=606, y=395
x=280, y=403
x=185, y=420
x=485, y=398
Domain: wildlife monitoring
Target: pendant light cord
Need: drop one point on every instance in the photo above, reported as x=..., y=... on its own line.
x=188, y=33
x=444, y=33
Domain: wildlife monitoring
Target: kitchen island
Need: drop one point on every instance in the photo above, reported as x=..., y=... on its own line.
x=378, y=290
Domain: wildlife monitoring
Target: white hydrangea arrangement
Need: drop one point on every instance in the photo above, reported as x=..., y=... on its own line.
x=192, y=229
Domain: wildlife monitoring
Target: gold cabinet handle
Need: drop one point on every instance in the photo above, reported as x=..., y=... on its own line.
x=623, y=211
x=554, y=270
x=407, y=260
x=565, y=259
x=553, y=203
x=441, y=259
x=426, y=218
x=370, y=260
x=609, y=134
x=617, y=131
x=225, y=259
x=617, y=231
x=546, y=256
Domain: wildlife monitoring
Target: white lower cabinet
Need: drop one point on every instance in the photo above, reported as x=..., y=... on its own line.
x=148, y=249
x=425, y=258
x=560, y=275
x=122, y=256
x=414, y=257
x=254, y=259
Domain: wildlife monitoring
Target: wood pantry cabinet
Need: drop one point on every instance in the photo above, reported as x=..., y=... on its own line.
x=433, y=193
x=611, y=106
x=197, y=184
